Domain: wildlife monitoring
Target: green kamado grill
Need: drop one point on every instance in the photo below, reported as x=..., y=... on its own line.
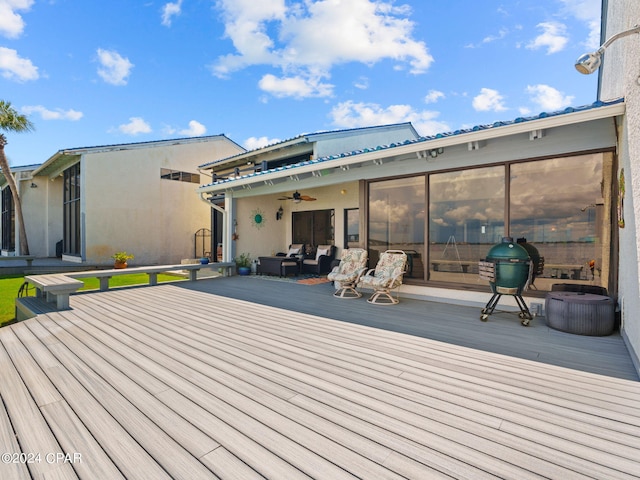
x=508, y=268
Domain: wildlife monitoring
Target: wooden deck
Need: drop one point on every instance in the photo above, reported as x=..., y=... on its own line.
x=185, y=381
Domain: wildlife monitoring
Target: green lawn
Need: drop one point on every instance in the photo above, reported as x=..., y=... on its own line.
x=10, y=284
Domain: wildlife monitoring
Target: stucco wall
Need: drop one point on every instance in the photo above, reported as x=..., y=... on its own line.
x=275, y=235
x=127, y=206
x=620, y=73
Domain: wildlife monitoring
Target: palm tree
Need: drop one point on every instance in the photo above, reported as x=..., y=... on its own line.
x=11, y=121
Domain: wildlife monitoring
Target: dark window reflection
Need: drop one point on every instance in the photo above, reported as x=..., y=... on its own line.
x=466, y=217
x=397, y=220
x=560, y=206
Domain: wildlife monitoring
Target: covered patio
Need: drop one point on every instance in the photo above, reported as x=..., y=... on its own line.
x=241, y=377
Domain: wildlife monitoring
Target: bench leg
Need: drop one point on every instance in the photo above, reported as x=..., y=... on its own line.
x=193, y=275
x=104, y=284
x=153, y=278
x=29, y=263
x=62, y=301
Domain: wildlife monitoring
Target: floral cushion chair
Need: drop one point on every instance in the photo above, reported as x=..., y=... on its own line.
x=353, y=264
x=385, y=277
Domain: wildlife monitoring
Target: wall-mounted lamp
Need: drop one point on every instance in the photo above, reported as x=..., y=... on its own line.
x=590, y=62
x=434, y=152
x=33, y=185
x=279, y=213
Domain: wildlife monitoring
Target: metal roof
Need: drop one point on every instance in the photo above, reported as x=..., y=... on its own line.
x=61, y=158
x=479, y=132
x=301, y=139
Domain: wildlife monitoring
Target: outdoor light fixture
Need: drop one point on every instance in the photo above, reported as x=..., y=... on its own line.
x=433, y=153
x=590, y=62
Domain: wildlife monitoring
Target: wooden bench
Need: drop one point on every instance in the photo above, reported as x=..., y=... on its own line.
x=558, y=270
x=57, y=287
x=27, y=258
x=463, y=264
x=104, y=275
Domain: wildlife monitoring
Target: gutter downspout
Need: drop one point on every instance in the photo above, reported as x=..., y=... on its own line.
x=225, y=237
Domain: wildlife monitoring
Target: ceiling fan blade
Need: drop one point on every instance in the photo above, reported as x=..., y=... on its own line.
x=307, y=198
x=285, y=198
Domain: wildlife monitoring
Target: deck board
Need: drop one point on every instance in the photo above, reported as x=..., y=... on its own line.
x=188, y=381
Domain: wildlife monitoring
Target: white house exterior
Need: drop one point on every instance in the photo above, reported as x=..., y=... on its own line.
x=620, y=77
x=448, y=198
x=135, y=197
x=272, y=235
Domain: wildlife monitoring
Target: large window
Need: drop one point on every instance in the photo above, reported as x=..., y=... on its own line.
x=352, y=227
x=313, y=228
x=8, y=221
x=397, y=220
x=561, y=206
x=71, y=206
x=466, y=216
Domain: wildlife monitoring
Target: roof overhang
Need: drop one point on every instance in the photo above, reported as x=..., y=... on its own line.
x=421, y=148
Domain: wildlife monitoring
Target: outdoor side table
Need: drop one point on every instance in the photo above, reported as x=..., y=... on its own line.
x=580, y=313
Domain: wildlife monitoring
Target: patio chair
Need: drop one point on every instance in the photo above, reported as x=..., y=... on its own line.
x=321, y=263
x=385, y=277
x=295, y=249
x=353, y=263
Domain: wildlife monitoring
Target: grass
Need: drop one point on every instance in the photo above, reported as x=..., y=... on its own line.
x=10, y=284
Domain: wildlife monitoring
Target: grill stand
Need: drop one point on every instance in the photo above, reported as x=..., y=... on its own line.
x=524, y=314
x=487, y=271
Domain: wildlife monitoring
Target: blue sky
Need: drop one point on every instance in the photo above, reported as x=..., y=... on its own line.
x=100, y=73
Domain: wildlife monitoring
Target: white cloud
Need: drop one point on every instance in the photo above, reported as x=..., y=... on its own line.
x=297, y=87
x=12, y=24
x=433, y=96
x=353, y=115
x=362, y=83
x=587, y=11
x=252, y=143
x=548, y=98
x=15, y=68
x=170, y=10
x=307, y=39
x=489, y=100
x=195, y=129
x=553, y=37
x=114, y=67
x=136, y=126
x=57, y=114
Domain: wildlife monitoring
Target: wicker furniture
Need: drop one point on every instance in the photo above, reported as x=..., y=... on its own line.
x=580, y=313
x=353, y=263
x=321, y=263
x=385, y=277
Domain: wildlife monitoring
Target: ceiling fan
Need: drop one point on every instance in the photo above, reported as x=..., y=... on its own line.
x=297, y=197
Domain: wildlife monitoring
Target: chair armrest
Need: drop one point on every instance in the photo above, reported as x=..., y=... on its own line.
x=393, y=279
x=324, y=261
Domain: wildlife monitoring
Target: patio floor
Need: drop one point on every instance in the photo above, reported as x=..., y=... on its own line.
x=193, y=380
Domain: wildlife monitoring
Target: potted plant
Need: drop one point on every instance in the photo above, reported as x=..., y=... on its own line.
x=243, y=264
x=120, y=259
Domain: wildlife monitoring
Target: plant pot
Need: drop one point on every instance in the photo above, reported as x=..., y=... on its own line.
x=118, y=264
x=244, y=270
x=204, y=261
